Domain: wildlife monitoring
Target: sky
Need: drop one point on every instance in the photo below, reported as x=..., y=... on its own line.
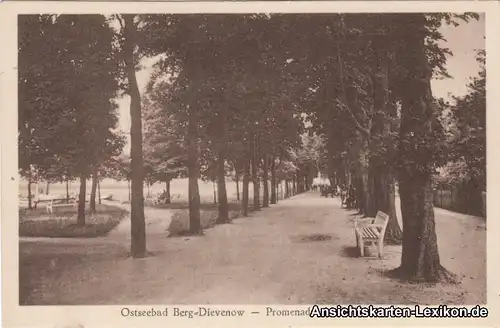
x=463, y=41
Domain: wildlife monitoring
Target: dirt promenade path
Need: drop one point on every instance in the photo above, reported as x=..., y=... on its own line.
x=300, y=251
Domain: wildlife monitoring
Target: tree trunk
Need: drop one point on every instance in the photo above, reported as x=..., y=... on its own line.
x=273, y=182
x=297, y=184
x=138, y=225
x=149, y=192
x=99, y=191
x=167, y=192
x=214, y=192
x=129, y=191
x=246, y=182
x=193, y=172
x=80, y=219
x=221, y=188
x=93, y=191
x=381, y=166
x=237, y=178
x=265, y=200
x=47, y=188
x=294, y=186
x=387, y=203
x=30, y=196
x=287, y=189
x=255, y=177
x=367, y=202
x=420, y=257
x=67, y=191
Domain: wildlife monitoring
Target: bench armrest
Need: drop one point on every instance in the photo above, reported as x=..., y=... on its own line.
x=359, y=230
x=363, y=222
x=374, y=225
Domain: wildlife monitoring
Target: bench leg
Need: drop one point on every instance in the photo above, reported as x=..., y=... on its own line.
x=361, y=247
x=380, y=248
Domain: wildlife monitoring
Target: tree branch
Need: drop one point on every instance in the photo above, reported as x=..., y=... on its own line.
x=120, y=20
x=360, y=127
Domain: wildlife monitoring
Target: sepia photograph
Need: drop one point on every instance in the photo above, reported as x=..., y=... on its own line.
x=251, y=159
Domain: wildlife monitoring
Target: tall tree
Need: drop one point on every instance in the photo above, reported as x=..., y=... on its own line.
x=180, y=72
x=418, y=151
x=164, y=145
x=138, y=227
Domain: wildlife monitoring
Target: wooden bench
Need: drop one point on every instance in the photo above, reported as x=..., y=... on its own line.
x=73, y=203
x=39, y=201
x=371, y=231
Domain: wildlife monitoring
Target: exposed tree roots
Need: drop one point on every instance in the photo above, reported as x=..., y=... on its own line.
x=144, y=255
x=441, y=275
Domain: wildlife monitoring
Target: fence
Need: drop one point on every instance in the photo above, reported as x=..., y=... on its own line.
x=461, y=200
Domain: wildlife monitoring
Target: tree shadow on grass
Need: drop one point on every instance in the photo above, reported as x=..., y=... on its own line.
x=179, y=224
x=209, y=212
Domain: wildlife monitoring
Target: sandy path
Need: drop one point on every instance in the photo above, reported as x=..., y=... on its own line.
x=157, y=223
x=266, y=258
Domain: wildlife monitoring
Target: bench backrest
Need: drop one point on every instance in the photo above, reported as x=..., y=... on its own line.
x=381, y=219
x=70, y=200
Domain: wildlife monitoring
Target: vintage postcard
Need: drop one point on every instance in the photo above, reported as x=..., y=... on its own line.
x=267, y=164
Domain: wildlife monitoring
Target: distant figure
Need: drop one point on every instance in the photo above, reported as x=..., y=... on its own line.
x=343, y=194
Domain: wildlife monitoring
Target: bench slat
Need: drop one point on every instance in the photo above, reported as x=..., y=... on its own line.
x=368, y=233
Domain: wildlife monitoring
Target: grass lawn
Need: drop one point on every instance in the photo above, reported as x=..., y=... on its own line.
x=179, y=224
x=62, y=223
